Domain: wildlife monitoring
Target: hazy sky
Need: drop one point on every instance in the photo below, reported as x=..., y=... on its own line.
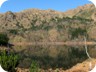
x=59, y=5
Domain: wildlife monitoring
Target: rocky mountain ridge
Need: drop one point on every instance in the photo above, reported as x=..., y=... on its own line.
x=26, y=17
x=47, y=23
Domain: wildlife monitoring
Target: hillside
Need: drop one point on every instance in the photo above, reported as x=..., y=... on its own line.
x=85, y=11
x=49, y=25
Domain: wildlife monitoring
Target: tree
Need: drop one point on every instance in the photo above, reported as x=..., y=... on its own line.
x=3, y=39
x=9, y=62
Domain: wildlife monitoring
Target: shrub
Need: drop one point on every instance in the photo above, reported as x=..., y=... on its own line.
x=9, y=61
x=34, y=67
x=77, y=32
x=14, y=31
x=3, y=39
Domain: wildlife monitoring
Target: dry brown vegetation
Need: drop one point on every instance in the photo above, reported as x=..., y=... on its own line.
x=51, y=26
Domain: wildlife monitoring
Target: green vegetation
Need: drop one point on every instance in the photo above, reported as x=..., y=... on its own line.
x=48, y=26
x=67, y=28
x=82, y=20
x=75, y=33
x=3, y=39
x=9, y=61
x=13, y=31
x=34, y=67
x=86, y=13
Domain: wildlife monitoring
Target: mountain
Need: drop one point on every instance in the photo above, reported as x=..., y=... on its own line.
x=85, y=11
x=49, y=25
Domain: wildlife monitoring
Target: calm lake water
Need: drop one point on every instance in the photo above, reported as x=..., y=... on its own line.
x=53, y=56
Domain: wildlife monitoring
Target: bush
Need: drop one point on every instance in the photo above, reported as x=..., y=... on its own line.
x=34, y=67
x=14, y=31
x=77, y=32
x=3, y=39
x=9, y=61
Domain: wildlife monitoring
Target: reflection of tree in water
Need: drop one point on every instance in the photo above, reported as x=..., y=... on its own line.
x=92, y=51
x=65, y=56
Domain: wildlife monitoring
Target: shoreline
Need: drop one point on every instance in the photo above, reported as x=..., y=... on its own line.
x=68, y=43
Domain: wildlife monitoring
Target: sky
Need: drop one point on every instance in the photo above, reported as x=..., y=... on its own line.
x=59, y=5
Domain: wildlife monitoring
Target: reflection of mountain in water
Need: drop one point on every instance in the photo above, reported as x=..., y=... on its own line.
x=35, y=25
x=53, y=56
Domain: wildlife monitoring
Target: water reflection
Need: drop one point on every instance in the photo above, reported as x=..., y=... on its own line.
x=51, y=56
